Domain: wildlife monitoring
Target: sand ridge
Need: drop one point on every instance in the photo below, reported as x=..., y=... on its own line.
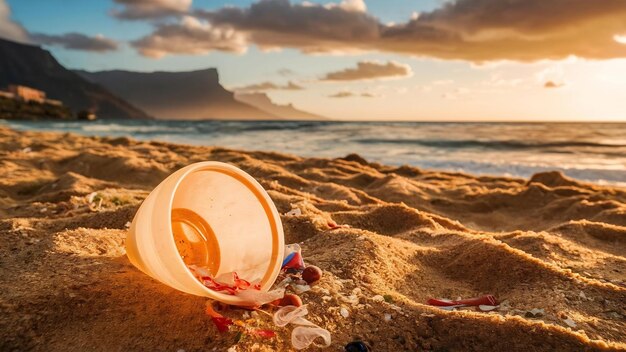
x=549, y=242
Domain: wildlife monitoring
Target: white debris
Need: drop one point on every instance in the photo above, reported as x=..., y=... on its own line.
x=232, y=349
x=535, y=312
x=582, y=295
x=27, y=150
x=294, y=212
x=486, y=308
x=43, y=210
x=387, y=317
x=127, y=225
x=378, y=298
x=571, y=323
x=91, y=196
x=301, y=288
x=352, y=299
x=344, y=312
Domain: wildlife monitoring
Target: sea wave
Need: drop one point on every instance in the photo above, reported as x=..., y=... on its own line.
x=493, y=144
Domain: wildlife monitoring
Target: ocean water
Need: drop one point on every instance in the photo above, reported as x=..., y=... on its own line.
x=591, y=152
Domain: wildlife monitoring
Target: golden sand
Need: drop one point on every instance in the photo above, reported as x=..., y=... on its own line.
x=548, y=243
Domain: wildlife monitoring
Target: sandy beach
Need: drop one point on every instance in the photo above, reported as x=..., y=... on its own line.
x=549, y=243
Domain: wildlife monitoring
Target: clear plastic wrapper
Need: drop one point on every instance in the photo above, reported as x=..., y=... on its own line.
x=291, y=315
x=303, y=336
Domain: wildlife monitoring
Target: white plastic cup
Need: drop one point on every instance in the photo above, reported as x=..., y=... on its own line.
x=239, y=222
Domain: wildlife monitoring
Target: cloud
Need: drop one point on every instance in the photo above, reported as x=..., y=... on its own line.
x=10, y=29
x=369, y=70
x=471, y=30
x=150, y=9
x=77, y=41
x=265, y=86
x=190, y=36
x=530, y=30
x=347, y=5
x=551, y=84
x=348, y=94
x=309, y=27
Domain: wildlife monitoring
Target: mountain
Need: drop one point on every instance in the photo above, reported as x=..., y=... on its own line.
x=177, y=95
x=35, y=67
x=263, y=102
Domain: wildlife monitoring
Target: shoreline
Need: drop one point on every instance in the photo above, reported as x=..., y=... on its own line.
x=548, y=242
x=495, y=150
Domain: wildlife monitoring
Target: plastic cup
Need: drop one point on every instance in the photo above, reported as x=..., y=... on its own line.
x=213, y=215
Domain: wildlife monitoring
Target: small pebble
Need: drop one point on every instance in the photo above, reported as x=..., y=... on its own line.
x=387, y=317
x=344, y=312
x=571, y=323
x=378, y=298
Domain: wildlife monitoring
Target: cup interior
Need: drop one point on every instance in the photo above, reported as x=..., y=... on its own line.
x=221, y=221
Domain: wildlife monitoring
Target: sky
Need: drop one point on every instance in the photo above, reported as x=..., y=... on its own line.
x=437, y=60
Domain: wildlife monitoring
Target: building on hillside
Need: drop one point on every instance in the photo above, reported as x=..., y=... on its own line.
x=15, y=91
x=7, y=95
x=27, y=93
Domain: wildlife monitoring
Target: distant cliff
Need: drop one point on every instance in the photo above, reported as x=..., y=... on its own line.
x=263, y=102
x=34, y=67
x=177, y=95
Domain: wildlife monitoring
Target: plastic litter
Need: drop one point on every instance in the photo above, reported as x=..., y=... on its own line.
x=229, y=283
x=570, y=322
x=534, y=313
x=221, y=322
x=197, y=214
x=291, y=315
x=333, y=226
x=294, y=212
x=293, y=258
x=303, y=336
x=259, y=298
x=486, y=308
x=477, y=301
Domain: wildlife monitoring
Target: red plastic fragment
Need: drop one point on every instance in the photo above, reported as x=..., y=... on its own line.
x=222, y=323
x=296, y=262
x=489, y=300
x=239, y=285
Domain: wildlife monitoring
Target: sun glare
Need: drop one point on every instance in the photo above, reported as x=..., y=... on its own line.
x=620, y=38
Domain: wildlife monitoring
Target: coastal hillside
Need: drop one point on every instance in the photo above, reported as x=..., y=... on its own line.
x=287, y=112
x=35, y=67
x=190, y=95
x=13, y=109
x=387, y=238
